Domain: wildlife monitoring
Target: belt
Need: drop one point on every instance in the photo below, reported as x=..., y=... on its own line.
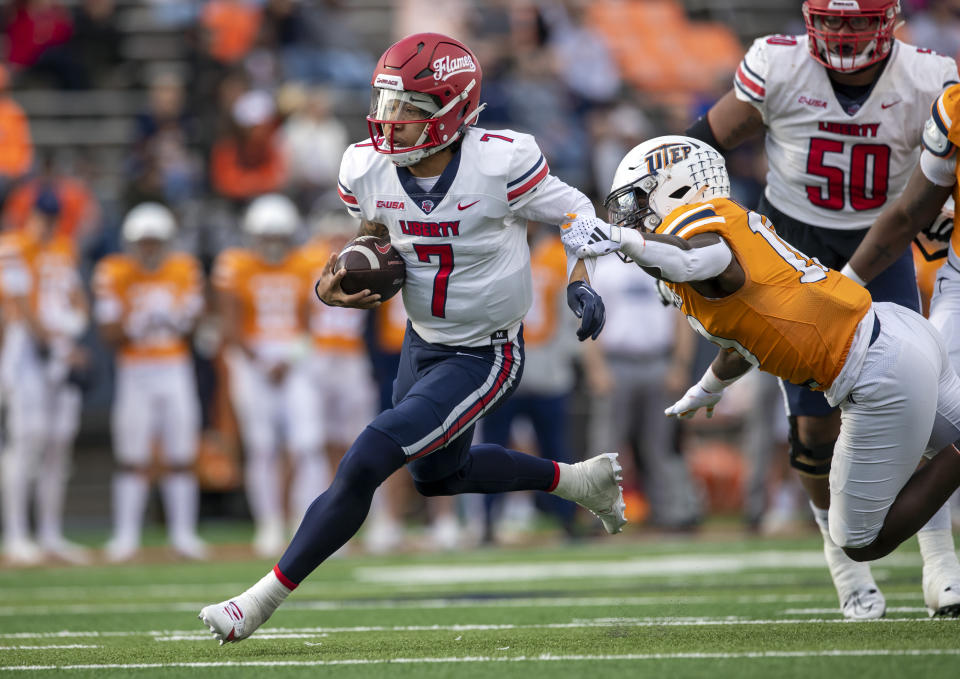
x=876, y=330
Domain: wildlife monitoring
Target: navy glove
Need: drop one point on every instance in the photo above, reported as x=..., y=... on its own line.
x=587, y=305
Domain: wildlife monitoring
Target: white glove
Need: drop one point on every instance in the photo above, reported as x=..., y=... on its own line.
x=696, y=397
x=589, y=237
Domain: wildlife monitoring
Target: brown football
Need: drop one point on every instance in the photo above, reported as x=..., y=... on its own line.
x=373, y=264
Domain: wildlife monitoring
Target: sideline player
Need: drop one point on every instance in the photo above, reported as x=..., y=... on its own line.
x=45, y=313
x=146, y=304
x=934, y=179
x=842, y=108
x=766, y=304
x=264, y=298
x=454, y=200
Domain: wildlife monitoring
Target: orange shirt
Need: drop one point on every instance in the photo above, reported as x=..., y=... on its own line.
x=548, y=263
x=16, y=145
x=334, y=329
x=793, y=317
x=234, y=179
x=173, y=294
x=271, y=296
x=391, y=325
x=76, y=204
x=45, y=272
x=232, y=28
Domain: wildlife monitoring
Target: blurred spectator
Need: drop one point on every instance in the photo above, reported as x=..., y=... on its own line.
x=38, y=32
x=164, y=133
x=938, y=28
x=78, y=215
x=249, y=161
x=230, y=29
x=96, y=41
x=16, y=149
x=450, y=17
x=543, y=396
x=613, y=132
x=584, y=62
x=313, y=140
x=635, y=375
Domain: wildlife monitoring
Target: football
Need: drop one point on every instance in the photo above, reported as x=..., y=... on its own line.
x=373, y=264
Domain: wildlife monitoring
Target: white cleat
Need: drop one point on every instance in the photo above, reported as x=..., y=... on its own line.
x=67, y=551
x=234, y=619
x=191, y=547
x=941, y=593
x=22, y=553
x=595, y=485
x=119, y=551
x=866, y=603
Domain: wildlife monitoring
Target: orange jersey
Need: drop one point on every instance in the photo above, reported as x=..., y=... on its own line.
x=336, y=329
x=271, y=296
x=548, y=263
x=171, y=297
x=391, y=325
x=945, y=114
x=793, y=317
x=16, y=145
x=77, y=205
x=45, y=272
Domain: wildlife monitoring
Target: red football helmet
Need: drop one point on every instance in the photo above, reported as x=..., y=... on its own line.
x=425, y=78
x=848, y=35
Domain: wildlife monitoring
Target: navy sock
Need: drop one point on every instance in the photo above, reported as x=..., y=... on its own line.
x=494, y=469
x=337, y=514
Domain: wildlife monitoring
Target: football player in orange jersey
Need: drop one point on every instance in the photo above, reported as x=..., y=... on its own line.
x=146, y=306
x=768, y=305
x=841, y=110
x=264, y=296
x=45, y=312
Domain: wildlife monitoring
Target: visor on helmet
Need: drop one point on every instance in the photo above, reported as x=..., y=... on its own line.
x=394, y=108
x=629, y=205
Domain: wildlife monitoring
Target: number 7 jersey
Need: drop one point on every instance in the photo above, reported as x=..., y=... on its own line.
x=463, y=240
x=793, y=317
x=827, y=167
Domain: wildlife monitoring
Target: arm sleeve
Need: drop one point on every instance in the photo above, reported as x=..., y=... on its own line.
x=676, y=264
x=750, y=80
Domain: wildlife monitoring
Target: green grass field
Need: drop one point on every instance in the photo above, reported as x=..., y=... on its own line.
x=718, y=606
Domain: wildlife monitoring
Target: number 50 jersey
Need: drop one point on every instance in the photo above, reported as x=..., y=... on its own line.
x=463, y=236
x=828, y=168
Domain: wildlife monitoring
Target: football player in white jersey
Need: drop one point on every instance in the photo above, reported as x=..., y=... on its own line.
x=454, y=200
x=842, y=109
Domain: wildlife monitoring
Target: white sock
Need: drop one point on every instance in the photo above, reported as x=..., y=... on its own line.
x=51, y=493
x=847, y=574
x=180, y=499
x=263, y=489
x=130, y=491
x=14, y=491
x=566, y=482
x=310, y=478
x=268, y=593
x=936, y=542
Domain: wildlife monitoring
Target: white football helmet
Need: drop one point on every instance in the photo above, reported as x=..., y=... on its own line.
x=272, y=214
x=661, y=174
x=148, y=220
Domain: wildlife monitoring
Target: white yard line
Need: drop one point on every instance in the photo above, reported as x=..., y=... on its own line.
x=747, y=655
x=49, y=647
x=311, y=632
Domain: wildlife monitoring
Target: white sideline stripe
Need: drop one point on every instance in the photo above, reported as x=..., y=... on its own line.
x=748, y=655
x=164, y=635
x=46, y=648
x=584, y=624
x=428, y=604
x=625, y=568
x=828, y=611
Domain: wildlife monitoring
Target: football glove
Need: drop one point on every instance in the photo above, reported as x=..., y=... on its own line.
x=588, y=307
x=696, y=397
x=589, y=237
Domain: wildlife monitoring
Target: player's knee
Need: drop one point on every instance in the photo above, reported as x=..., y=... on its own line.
x=811, y=460
x=435, y=488
x=370, y=460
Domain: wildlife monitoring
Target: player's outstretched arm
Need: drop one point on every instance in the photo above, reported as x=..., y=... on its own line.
x=726, y=368
x=329, y=292
x=896, y=227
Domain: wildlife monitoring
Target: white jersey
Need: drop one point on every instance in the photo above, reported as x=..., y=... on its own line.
x=829, y=168
x=464, y=242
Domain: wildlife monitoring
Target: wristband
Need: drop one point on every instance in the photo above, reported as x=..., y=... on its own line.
x=712, y=384
x=848, y=271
